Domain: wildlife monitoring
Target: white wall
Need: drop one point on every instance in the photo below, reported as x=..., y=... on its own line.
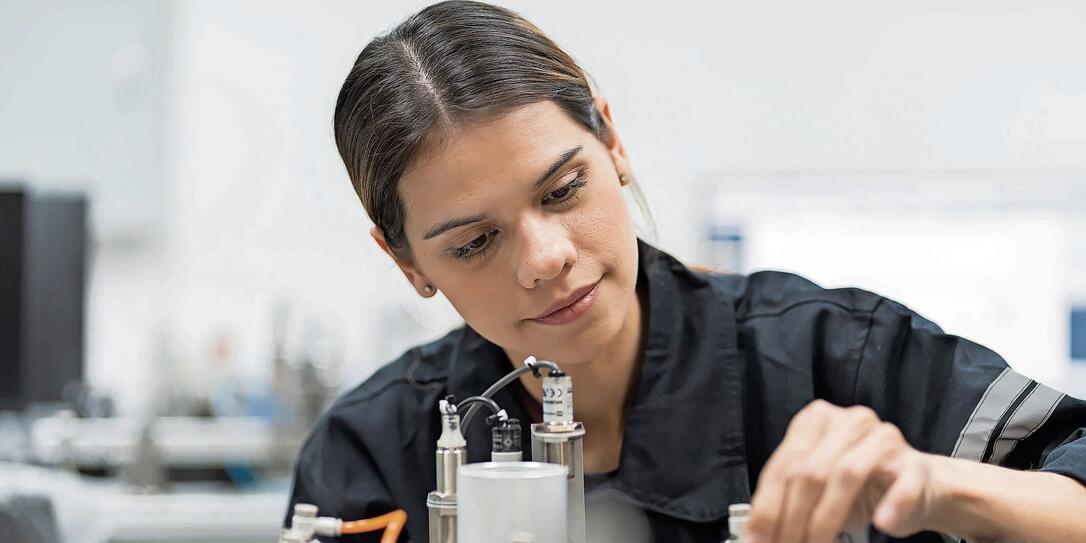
x=259, y=208
x=82, y=92
x=265, y=214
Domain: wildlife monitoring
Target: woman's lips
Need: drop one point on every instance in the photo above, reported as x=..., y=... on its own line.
x=573, y=310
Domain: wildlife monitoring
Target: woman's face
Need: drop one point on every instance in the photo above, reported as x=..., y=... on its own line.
x=513, y=218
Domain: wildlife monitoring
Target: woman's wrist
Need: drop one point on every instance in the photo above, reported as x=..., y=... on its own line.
x=982, y=502
x=959, y=499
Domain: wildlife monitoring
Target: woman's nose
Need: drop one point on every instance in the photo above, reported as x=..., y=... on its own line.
x=545, y=251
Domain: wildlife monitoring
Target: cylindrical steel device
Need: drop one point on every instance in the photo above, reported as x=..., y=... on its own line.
x=442, y=517
x=563, y=443
x=442, y=502
x=503, y=502
x=448, y=461
x=450, y=455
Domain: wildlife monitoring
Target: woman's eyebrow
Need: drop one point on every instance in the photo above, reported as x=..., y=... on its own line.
x=565, y=157
x=445, y=226
x=452, y=223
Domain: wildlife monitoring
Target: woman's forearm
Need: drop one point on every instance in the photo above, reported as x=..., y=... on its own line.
x=982, y=502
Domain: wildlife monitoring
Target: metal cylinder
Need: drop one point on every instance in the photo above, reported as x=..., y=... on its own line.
x=448, y=460
x=442, y=517
x=442, y=502
x=563, y=443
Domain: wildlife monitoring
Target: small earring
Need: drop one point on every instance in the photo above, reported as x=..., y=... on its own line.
x=428, y=289
x=623, y=179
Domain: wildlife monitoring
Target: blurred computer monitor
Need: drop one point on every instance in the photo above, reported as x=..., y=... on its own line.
x=43, y=250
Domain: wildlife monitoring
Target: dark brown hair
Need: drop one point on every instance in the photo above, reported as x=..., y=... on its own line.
x=451, y=62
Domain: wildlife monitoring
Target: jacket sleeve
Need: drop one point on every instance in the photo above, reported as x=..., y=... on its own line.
x=336, y=472
x=954, y=397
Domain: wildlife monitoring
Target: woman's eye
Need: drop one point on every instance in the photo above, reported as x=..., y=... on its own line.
x=474, y=247
x=564, y=192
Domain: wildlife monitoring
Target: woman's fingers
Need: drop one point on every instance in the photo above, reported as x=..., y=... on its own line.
x=801, y=493
x=902, y=508
x=767, y=505
x=765, y=510
x=807, y=476
x=850, y=474
x=835, y=464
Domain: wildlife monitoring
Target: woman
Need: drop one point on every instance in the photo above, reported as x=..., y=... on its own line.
x=493, y=174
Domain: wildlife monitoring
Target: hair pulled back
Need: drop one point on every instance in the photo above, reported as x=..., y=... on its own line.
x=452, y=62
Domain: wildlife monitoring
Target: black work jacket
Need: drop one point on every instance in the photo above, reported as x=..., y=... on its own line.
x=728, y=360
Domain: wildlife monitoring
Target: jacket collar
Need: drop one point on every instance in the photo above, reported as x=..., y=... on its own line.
x=683, y=451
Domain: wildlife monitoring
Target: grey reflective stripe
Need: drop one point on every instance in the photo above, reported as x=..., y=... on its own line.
x=1030, y=415
x=999, y=396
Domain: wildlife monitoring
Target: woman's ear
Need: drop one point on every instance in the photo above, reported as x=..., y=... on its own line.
x=410, y=271
x=613, y=142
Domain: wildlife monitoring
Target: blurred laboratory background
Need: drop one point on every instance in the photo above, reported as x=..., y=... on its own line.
x=187, y=278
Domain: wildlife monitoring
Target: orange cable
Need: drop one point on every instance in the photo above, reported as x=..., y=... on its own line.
x=391, y=522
